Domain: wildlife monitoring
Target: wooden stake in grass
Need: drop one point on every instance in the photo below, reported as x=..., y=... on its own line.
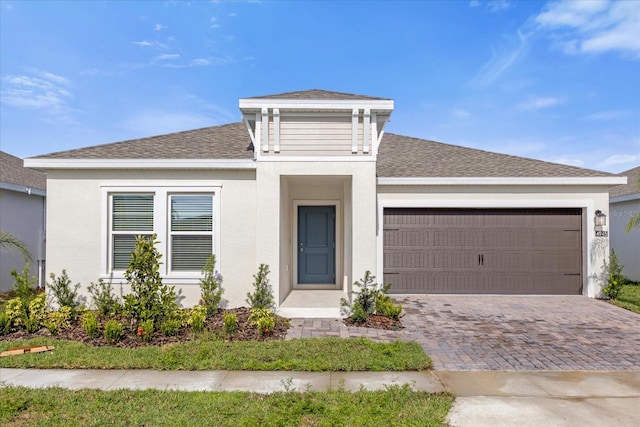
x=27, y=349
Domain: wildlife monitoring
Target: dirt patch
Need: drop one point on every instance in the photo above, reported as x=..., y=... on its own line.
x=376, y=321
x=244, y=332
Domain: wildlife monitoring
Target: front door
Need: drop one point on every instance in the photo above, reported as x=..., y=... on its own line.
x=316, y=244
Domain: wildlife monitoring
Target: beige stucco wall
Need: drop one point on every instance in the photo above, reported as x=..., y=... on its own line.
x=75, y=221
x=588, y=198
x=626, y=245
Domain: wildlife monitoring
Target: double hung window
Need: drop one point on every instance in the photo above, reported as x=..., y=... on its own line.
x=182, y=219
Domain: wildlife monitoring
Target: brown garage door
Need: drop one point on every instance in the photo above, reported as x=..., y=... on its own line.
x=486, y=251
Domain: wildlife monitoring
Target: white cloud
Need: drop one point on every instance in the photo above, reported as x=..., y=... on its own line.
x=166, y=56
x=159, y=27
x=474, y=3
x=568, y=161
x=537, y=103
x=233, y=15
x=498, y=5
x=620, y=159
x=500, y=62
x=143, y=43
x=593, y=26
x=214, y=23
x=42, y=90
x=461, y=114
x=606, y=115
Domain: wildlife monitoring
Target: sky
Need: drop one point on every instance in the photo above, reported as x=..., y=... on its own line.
x=556, y=81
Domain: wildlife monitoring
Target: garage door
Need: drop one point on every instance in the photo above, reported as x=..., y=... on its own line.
x=490, y=251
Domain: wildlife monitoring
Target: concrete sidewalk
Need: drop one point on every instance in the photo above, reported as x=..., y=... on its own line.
x=483, y=398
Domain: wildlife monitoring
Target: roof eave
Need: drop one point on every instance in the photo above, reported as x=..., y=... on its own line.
x=49, y=164
x=256, y=104
x=599, y=180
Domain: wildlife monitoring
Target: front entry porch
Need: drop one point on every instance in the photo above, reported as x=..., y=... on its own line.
x=320, y=303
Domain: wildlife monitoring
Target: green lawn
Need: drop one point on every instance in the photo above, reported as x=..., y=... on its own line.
x=397, y=405
x=316, y=354
x=629, y=298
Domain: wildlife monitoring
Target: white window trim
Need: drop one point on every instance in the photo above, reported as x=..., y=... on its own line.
x=161, y=227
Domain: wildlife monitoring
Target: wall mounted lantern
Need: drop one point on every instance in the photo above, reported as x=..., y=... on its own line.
x=601, y=218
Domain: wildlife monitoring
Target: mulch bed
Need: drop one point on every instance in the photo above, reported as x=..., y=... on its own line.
x=376, y=321
x=214, y=324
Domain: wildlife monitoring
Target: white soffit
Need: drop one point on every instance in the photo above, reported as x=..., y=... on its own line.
x=45, y=164
x=255, y=104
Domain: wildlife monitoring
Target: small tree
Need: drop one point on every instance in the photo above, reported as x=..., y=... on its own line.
x=262, y=296
x=24, y=284
x=612, y=276
x=149, y=297
x=371, y=299
x=65, y=294
x=211, y=287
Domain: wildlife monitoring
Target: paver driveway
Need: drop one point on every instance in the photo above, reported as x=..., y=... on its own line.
x=523, y=332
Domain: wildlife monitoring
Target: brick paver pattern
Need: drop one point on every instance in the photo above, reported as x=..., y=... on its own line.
x=462, y=332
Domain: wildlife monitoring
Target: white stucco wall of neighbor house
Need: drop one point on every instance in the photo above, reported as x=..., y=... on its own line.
x=280, y=185
x=22, y=215
x=589, y=198
x=78, y=230
x=626, y=245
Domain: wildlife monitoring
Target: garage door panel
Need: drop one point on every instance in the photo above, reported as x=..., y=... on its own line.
x=511, y=251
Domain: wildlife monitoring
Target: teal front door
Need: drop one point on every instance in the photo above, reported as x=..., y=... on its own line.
x=316, y=244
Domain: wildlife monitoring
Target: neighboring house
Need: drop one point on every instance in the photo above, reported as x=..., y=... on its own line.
x=624, y=201
x=22, y=213
x=310, y=184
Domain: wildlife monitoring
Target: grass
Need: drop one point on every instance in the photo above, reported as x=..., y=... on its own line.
x=397, y=405
x=629, y=298
x=316, y=354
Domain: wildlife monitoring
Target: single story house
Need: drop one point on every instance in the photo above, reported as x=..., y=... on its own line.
x=624, y=202
x=311, y=184
x=22, y=214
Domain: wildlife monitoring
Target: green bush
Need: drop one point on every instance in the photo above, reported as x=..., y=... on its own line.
x=16, y=312
x=59, y=320
x=371, y=299
x=149, y=297
x=64, y=293
x=613, y=277
x=211, y=287
x=170, y=327
x=197, y=318
x=263, y=319
x=145, y=330
x=262, y=296
x=5, y=323
x=230, y=321
x=113, y=331
x=24, y=285
x=90, y=324
x=104, y=300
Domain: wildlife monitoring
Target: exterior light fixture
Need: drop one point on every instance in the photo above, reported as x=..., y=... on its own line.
x=601, y=218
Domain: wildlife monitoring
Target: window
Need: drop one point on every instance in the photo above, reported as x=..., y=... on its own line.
x=183, y=218
x=132, y=215
x=191, y=231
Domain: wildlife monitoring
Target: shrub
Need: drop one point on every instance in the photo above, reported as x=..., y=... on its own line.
x=65, y=294
x=262, y=297
x=90, y=324
x=612, y=276
x=104, y=300
x=5, y=323
x=16, y=312
x=59, y=320
x=211, y=287
x=24, y=285
x=371, y=299
x=113, y=331
x=263, y=319
x=145, y=330
x=197, y=317
x=149, y=297
x=170, y=327
x=37, y=313
x=230, y=321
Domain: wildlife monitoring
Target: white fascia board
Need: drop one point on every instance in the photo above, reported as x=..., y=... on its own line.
x=320, y=159
x=314, y=104
x=46, y=164
x=626, y=198
x=606, y=180
x=22, y=189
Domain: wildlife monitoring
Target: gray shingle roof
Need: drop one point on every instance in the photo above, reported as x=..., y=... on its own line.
x=402, y=156
x=318, y=94
x=12, y=171
x=230, y=141
x=631, y=187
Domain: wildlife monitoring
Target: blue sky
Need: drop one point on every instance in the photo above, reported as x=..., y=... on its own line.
x=557, y=81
